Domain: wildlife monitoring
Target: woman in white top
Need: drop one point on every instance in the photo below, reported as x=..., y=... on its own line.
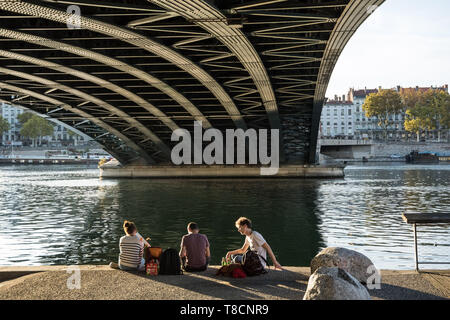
x=132, y=246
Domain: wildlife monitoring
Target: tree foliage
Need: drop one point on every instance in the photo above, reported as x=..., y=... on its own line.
x=24, y=117
x=383, y=105
x=4, y=125
x=36, y=127
x=428, y=110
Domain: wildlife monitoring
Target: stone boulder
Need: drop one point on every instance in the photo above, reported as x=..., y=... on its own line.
x=334, y=284
x=355, y=263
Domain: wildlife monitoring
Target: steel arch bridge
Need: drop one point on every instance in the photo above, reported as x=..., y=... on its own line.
x=130, y=72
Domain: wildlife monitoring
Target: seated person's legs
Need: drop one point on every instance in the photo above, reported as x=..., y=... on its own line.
x=140, y=267
x=126, y=268
x=192, y=269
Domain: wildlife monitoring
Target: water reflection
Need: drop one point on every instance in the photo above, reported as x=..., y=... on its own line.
x=67, y=215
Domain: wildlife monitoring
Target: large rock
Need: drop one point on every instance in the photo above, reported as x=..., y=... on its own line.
x=334, y=284
x=355, y=263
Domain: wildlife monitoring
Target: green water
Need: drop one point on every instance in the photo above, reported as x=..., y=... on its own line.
x=67, y=215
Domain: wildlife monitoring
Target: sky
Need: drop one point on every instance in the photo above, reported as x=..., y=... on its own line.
x=404, y=42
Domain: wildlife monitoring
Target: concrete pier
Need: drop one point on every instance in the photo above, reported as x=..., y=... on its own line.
x=203, y=171
x=101, y=282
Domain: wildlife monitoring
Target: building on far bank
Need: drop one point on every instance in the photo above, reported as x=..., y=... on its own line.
x=344, y=118
x=10, y=113
x=59, y=138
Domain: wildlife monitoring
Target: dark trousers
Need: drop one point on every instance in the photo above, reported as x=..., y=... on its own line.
x=192, y=269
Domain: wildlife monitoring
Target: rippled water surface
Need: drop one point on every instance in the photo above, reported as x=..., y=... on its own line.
x=67, y=215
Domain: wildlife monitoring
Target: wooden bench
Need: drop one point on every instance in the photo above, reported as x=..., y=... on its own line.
x=424, y=218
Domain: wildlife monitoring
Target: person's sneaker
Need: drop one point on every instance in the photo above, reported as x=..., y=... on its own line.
x=114, y=265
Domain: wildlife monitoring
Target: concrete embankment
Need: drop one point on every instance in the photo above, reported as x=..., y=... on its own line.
x=222, y=171
x=101, y=282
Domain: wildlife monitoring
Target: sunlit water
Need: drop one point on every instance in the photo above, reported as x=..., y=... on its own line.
x=53, y=215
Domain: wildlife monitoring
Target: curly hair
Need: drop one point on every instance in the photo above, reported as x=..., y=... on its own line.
x=243, y=221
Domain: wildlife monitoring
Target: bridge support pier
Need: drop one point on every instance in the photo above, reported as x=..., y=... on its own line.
x=218, y=172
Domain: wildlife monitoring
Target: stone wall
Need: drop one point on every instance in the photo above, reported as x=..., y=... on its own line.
x=403, y=148
x=380, y=151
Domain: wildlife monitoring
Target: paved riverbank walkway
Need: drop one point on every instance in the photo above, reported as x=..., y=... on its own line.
x=101, y=282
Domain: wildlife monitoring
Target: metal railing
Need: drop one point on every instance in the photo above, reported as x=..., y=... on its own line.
x=424, y=219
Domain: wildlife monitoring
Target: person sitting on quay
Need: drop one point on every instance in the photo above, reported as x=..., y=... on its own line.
x=194, y=250
x=253, y=240
x=131, y=257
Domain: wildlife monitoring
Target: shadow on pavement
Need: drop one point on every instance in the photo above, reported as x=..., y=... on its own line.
x=392, y=292
x=274, y=285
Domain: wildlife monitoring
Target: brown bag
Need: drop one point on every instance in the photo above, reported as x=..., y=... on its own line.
x=227, y=270
x=154, y=252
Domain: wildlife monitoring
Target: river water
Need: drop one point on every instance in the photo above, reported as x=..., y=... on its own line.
x=54, y=215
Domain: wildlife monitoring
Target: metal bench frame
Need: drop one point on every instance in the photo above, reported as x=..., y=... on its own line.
x=422, y=218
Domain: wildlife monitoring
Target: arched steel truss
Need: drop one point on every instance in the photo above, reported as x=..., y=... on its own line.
x=139, y=69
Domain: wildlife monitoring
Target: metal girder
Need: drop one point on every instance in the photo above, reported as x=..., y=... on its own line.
x=120, y=65
x=216, y=24
x=27, y=8
x=216, y=60
x=83, y=114
x=355, y=13
x=160, y=144
x=82, y=95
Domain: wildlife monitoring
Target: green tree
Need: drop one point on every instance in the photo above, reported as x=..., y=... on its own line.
x=36, y=127
x=414, y=122
x=441, y=105
x=430, y=112
x=4, y=125
x=410, y=97
x=383, y=105
x=24, y=117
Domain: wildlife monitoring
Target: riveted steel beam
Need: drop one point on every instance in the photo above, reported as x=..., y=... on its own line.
x=111, y=62
x=57, y=86
x=216, y=24
x=354, y=15
x=31, y=9
x=51, y=65
x=82, y=113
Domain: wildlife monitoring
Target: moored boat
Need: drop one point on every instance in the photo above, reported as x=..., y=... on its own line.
x=427, y=157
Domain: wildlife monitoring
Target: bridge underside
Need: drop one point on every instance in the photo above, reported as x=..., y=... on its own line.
x=128, y=73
